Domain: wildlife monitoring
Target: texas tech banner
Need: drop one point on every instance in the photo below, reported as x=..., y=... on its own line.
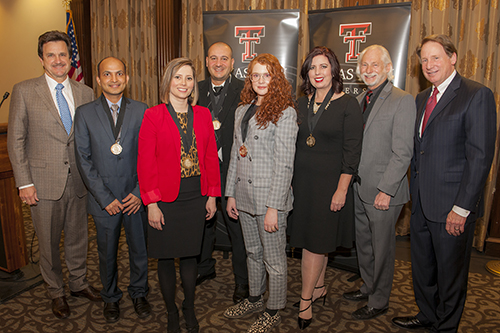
x=347, y=31
x=250, y=33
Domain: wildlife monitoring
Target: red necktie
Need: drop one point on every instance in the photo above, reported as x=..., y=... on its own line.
x=431, y=103
x=368, y=96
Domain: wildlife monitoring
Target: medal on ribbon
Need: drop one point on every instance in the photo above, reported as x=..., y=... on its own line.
x=310, y=141
x=243, y=151
x=216, y=124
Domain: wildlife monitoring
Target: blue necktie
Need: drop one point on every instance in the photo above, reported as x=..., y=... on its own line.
x=63, y=108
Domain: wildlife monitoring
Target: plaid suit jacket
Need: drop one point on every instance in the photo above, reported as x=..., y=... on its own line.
x=262, y=179
x=40, y=150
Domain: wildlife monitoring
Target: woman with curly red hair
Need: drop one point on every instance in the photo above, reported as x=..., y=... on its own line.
x=258, y=185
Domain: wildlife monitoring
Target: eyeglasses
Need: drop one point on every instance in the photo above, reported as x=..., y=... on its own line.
x=254, y=77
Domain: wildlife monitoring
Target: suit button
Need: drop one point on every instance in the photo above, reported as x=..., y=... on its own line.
x=421, y=152
x=66, y=163
x=416, y=173
x=238, y=179
x=67, y=145
x=249, y=159
x=256, y=137
x=249, y=181
x=238, y=158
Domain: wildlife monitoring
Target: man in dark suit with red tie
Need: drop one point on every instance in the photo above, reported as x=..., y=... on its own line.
x=454, y=145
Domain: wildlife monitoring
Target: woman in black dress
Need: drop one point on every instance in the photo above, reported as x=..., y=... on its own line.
x=326, y=163
x=179, y=178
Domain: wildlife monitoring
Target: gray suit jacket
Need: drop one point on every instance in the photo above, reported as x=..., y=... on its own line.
x=262, y=179
x=107, y=176
x=40, y=150
x=387, y=146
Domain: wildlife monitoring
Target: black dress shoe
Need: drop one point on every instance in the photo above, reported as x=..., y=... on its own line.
x=141, y=307
x=241, y=291
x=367, y=312
x=60, y=307
x=355, y=295
x=201, y=278
x=90, y=292
x=111, y=312
x=410, y=323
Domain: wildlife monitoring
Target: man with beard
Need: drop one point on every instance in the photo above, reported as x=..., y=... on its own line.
x=389, y=114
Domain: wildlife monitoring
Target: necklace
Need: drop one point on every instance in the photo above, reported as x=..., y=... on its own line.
x=316, y=106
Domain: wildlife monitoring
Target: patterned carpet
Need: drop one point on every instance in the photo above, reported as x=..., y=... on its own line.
x=31, y=311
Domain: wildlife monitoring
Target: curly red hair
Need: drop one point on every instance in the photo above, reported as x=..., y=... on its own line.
x=279, y=94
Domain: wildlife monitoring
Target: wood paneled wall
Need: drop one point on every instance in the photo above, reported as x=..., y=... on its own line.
x=168, y=32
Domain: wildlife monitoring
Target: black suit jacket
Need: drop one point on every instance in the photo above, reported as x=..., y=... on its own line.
x=452, y=158
x=226, y=117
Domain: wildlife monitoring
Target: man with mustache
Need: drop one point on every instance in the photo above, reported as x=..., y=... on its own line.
x=389, y=115
x=41, y=150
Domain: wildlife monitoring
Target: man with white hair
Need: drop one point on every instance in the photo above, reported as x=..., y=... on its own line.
x=389, y=117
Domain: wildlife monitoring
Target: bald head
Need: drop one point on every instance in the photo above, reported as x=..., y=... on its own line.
x=112, y=78
x=219, y=62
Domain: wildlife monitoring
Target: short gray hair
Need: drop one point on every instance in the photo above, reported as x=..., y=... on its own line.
x=386, y=58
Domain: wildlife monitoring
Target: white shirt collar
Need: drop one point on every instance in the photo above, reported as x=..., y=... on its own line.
x=443, y=86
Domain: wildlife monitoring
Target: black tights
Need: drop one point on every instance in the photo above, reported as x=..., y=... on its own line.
x=166, y=275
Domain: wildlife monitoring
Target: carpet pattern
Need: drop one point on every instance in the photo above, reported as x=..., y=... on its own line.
x=31, y=311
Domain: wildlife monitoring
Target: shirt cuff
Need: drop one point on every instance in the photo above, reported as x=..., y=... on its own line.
x=25, y=186
x=460, y=211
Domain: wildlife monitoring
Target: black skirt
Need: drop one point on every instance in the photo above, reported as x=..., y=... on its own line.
x=182, y=234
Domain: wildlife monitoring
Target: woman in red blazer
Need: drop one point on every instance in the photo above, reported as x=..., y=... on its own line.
x=178, y=168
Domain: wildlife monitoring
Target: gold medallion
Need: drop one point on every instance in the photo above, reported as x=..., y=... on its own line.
x=243, y=151
x=216, y=124
x=310, y=141
x=116, y=148
x=187, y=163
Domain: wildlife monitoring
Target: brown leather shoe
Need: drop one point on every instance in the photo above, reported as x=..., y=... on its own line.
x=60, y=307
x=90, y=292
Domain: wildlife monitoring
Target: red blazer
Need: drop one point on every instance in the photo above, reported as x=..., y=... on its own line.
x=159, y=159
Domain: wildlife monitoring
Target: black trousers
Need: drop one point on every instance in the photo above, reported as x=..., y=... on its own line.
x=440, y=269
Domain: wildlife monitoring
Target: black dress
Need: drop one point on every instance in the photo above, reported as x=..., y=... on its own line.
x=338, y=135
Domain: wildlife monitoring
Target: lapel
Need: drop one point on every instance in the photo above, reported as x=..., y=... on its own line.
x=174, y=132
x=447, y=97
x=103, y=118
x=203, y=99
x=378, y=104
x=228, y=101
x=127, y=118
x=420, y=112
x=43, y=91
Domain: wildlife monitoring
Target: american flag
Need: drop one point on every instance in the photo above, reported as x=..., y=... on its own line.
x=76, y=69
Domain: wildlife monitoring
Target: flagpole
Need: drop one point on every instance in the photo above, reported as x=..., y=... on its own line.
x=66, y=3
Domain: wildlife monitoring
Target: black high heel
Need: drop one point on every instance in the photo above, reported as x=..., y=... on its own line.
x=304, y=323
x=173, y=322
x=191, y=321
x=323, y=296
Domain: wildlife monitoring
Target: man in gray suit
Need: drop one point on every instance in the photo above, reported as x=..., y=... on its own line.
x=41, y=150
x=389, y=117
x=106, y=144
